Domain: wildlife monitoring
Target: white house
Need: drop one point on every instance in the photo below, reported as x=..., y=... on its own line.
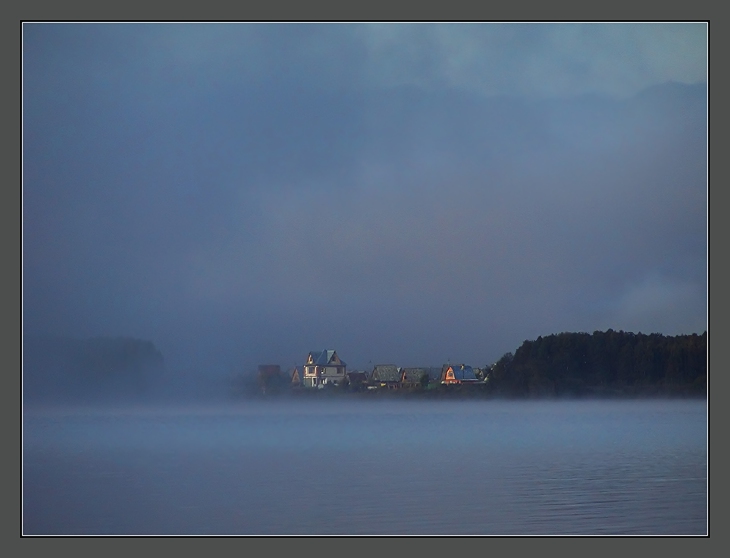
x=322, y=368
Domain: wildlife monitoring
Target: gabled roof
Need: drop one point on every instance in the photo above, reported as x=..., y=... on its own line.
x=386, y=373
x=413, y=375
x=323, y=358
x=461, y=371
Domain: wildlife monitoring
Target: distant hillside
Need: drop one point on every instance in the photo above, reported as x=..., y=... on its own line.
x=103, y=367
x=611, y=362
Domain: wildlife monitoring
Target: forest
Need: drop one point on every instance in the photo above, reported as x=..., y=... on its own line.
x=603, y=363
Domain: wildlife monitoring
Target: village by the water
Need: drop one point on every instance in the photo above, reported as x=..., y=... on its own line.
x=601, y=364
x=326, y=370
x=610, y=363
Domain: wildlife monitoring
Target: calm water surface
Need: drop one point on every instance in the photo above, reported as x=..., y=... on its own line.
x=369, y=468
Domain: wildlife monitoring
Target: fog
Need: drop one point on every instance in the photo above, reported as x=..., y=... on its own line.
x=455, y=468
x=242, y=194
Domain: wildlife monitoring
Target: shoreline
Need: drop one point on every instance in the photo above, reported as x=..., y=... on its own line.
x=483, y=392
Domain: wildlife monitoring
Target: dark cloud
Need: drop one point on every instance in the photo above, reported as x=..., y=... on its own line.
x=246, y=194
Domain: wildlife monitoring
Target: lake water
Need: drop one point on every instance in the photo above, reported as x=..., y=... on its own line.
x=353, y=467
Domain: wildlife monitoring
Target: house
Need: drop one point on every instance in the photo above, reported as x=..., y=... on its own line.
x=413, y=377
x=385, y=375
x=457, y=374
x=322, y=368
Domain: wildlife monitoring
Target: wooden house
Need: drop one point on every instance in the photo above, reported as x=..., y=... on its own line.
x=413, y=377
x=322, y=368
x=458, y=374
x=385, y=375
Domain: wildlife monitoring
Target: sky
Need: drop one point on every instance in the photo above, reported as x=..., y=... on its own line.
x=415, y=194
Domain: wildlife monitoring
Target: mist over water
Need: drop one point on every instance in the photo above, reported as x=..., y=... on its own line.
x=368, y=467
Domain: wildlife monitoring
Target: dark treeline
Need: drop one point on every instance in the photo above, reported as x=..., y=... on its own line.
x=62, y=367
x=611, y=362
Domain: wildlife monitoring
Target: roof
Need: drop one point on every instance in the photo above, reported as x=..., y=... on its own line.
x=385, y=373
x=461, y=371
x=323, y=358
x=413, y=375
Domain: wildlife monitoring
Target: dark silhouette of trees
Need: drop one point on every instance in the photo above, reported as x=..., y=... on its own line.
x=569, y=364
x=97, y=367
x=424, y=380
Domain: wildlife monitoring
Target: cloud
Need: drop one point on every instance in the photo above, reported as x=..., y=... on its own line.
x=537, y=59
x=661, y=300
x=414, y=190
x=490, y=59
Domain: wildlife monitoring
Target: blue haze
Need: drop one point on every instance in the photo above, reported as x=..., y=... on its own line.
x=372, y=468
